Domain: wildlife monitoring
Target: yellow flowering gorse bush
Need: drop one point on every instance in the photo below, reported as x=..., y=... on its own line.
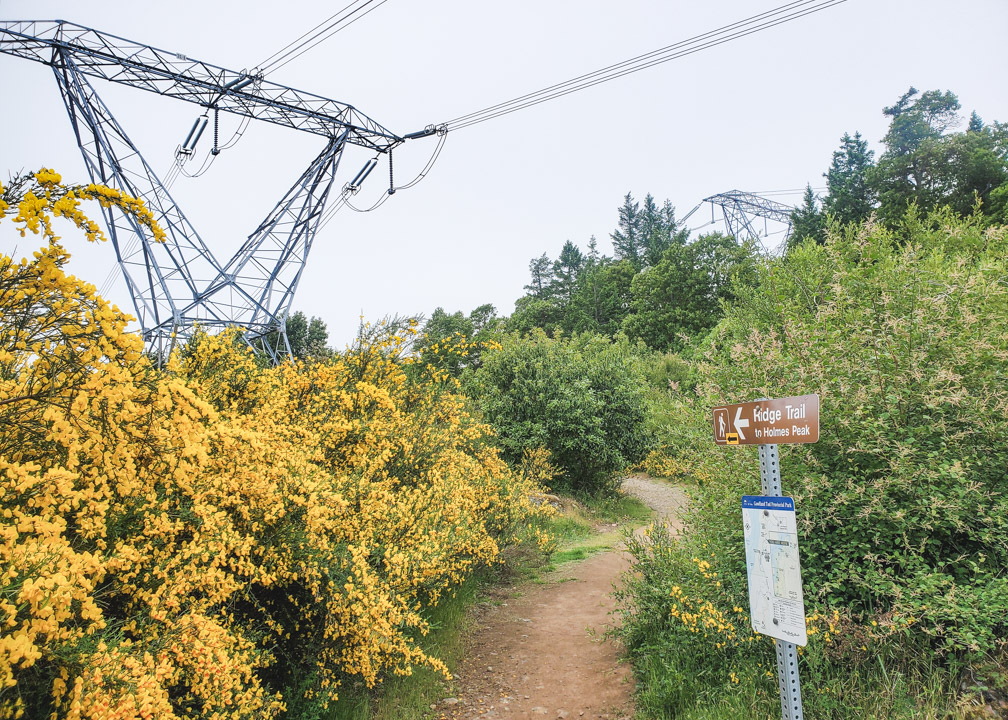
x=206, y=540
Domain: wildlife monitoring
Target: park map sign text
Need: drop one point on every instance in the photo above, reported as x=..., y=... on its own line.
x=764, y=422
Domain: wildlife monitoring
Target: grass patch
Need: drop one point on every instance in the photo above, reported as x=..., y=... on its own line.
x=570, y=527
x=621, y=508
x=593, y=524
x=678, y=685
x=586, y=547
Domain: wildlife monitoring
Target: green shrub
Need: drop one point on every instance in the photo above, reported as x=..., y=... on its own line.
x=686, y=624
x=902, y=514
x=905, y=338
x=580, y=398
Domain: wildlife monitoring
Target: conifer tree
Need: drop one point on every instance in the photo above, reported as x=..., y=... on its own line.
x=566, y=270
x=806, y=221
x=541, y=270
x=849, y=197
x=626, y=238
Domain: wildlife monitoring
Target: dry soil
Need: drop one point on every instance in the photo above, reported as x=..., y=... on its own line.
x=540, y=650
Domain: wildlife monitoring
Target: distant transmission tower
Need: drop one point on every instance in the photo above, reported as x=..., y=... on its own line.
x=740, y=208
x=179, y=285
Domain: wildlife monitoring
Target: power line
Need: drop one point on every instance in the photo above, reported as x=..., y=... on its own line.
x=288, y=46
x=329, y=27
x=790, y=191
x=626, y=63
x=756, y=23
x=640, y=62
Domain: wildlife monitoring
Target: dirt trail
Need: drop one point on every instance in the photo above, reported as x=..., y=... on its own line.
x=541, y=652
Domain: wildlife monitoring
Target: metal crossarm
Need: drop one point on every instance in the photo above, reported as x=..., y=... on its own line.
x=179, y=285
x=123, y=61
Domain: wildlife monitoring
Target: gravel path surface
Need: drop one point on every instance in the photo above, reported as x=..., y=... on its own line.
x=666, y=499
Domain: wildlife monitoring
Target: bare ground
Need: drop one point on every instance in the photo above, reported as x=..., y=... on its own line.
x=541, y=652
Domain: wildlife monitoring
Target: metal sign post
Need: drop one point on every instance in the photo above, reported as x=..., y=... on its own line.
x=787, y=652
x=786, y=420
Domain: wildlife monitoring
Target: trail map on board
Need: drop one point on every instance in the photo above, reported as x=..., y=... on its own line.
x=776, y=604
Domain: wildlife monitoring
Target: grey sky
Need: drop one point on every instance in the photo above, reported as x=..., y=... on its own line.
x=761, y=113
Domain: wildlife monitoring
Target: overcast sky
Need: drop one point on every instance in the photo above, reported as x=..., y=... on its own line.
x=763, y=113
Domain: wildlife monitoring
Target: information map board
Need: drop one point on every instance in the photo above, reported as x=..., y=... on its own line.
x=776, y=604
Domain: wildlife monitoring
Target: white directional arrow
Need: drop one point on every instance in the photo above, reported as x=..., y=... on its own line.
x=740, y=423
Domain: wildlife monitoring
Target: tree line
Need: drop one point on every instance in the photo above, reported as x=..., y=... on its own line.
x=662, y=287
x=923, y=163
x=658, y=286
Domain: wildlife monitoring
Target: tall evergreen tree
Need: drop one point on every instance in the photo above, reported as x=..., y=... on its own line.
x=914, y=166
x=926, y=164
x=626, y=238
x=849, y=197
x=652, y=240
x=676, y=235
x=593, y=257
x=541, y=269
x=659, y=231
x=807, y=222
x=566, y=270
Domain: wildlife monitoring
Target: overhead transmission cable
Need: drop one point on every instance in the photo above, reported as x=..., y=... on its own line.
x=785, y=191
x=756, y=23
x=340, y=20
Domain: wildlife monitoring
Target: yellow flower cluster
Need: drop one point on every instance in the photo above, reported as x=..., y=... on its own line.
x=659, y=463
x=42, y=197
x=703, y=617
x=447, y=356
x=662, y=462
x=822, y=622
x=192, y=542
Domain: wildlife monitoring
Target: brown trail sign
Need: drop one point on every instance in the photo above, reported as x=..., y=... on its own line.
x=765, y=422
x=774, y=573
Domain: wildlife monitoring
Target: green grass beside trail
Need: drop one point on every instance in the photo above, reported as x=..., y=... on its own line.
x=595, y=526
x=681, y=686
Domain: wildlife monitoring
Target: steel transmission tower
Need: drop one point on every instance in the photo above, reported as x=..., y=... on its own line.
x=179, y=285
x=739, y=209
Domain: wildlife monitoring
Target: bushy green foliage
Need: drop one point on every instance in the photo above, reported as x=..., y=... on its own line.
x=905, y=338
x=902, y=514
x=683, y=295
x=580, y=398
x=452, y=341
x=685, y=610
